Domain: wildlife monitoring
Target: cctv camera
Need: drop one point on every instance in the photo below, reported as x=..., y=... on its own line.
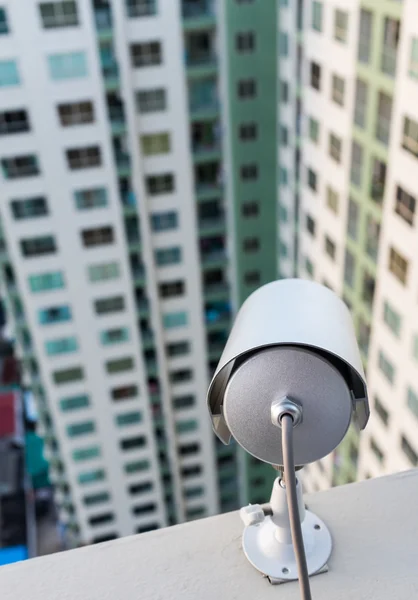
x=291, y=339
x=286, y=387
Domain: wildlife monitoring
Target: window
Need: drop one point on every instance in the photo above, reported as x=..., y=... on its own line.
x=246, y=89
x=129, y=418
x=409, y=452
x=283, y=178
x=251, y=245
x=84, y=158
x=149, y=101
x=54, y=314
x=335, y=147
x=45, y=282
x=349, y=268
x=76, y=113
x=313, y=130
x=312, y=180
x=249, y=172
x=315, y=76
x=341, y=25
x=160, y=184
x=155, y=143
x=191, y=471
x=113, y=304
x=369, y=285
x=58, y=14
x=178, y=349
x=146, y=54
x=38, y=246
x=412, y=401
x=104, y=272
x=283, y=41
x=172, y=289
x=101, y=519
x=390, y=44
x=405, y=205
x=86, y=453
x=68, y=375
x=144, y=509
x=372, y=237
x=4, y=26
x=189, y=449
x=168, y=256
x=245, y=41
x=386, y=367
x=164, y=221
x=194, y=492
x=398, y=265
x=332, y=199
x=186, y=426
x=248, y=132
x=360, y=110
x=365, y=35
x=413, y=60
x=410, y=136
x=141, y=8
x=330, y=247
x=252, y=277
x=99, y=236
x=114, y=336
x=99, y=498
x=381, y=411
x=175, y=319
x=119, y=365
x=74, y=403
x=29, y=208
x=384, y=113
x=9, y=74
x=140, y=488
x=136, y=467
x=309, y=267
x=377, y=190
x=181, y=375
x=90, y=198
x=284, y=135
x=317, y=15
x=284, y=92
x=91, y=476
x=250, y=209
x=338, y=89
x=133, y=443
x=376, y=450
x=283, y=250
x=20, y=166
x=356, y=164
x=78, y=429
x=184, y=401
x=124, y=393
x=14, y=121
x=67, y=66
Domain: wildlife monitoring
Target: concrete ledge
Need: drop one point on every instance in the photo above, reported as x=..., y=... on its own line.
x=374, y=526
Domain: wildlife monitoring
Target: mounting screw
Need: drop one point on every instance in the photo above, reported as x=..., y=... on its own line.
x=285, y=406
x=251, y=514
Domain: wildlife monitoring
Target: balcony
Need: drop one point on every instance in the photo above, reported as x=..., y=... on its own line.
x=212, y=225
x=216, y=291
x=138, y=276
x=117, y=122
x=111, y=76
x=103, y=21
x=142, y=306
x=213, y=258
x=206, y=152
x=201, y=64
x=199, y=14
x=123, y=164
x=201, y=109
x=129, y=203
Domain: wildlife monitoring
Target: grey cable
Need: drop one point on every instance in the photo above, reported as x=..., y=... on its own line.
x=292, y=502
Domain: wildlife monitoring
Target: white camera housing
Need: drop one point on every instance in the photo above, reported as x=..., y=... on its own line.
x=294, y=339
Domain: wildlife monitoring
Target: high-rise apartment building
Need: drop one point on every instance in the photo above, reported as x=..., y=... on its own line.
x=349, y=123
x=138, y=210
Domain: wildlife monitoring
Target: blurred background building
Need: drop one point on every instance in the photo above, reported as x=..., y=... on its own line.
x=138, y=156
x=161, y=159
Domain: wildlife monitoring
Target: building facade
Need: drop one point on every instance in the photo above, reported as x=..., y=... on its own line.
x=355, y=87
x=138, y=211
